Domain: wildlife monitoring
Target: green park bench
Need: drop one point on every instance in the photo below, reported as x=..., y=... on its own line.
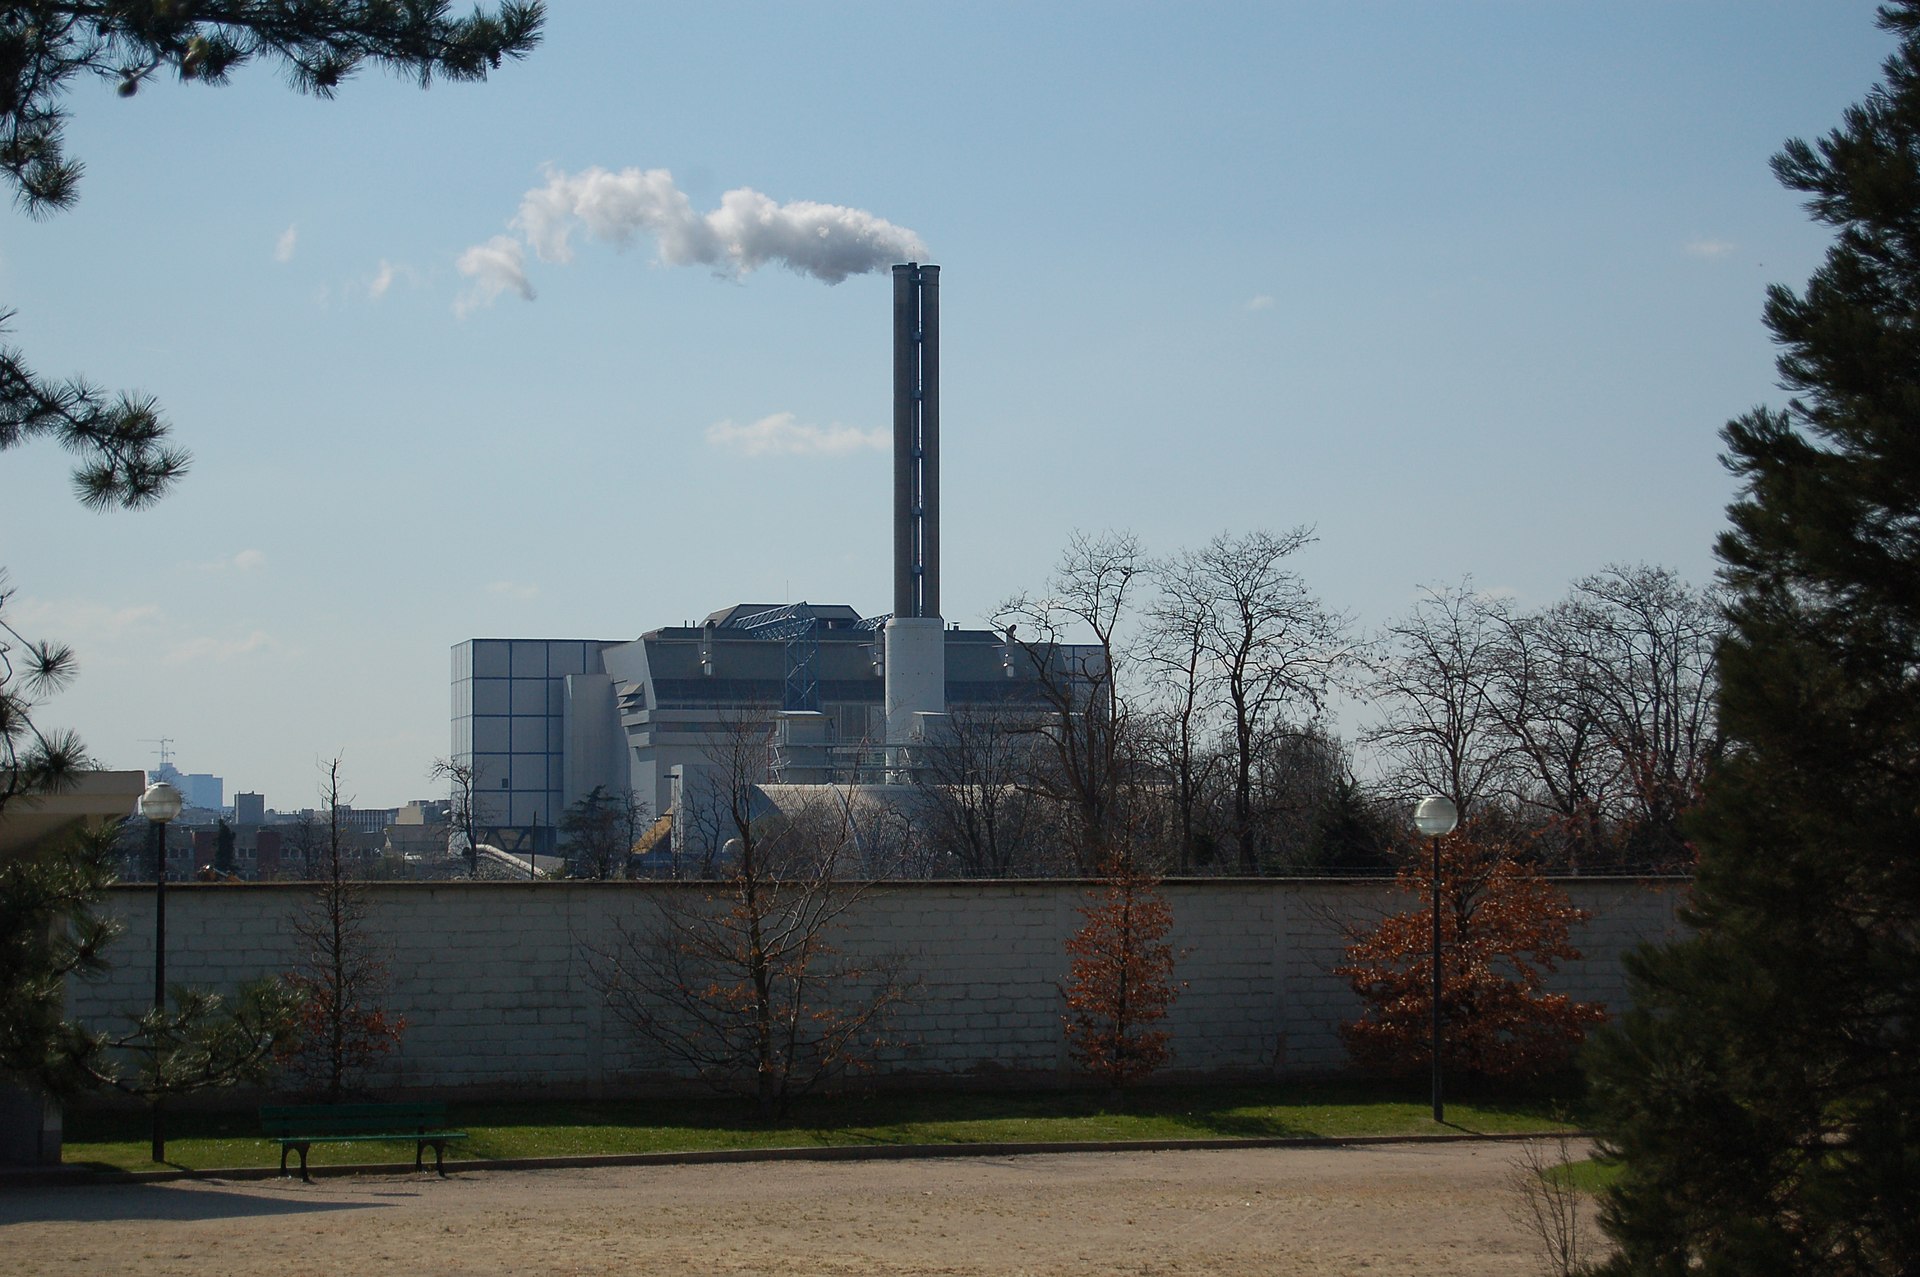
x=297, y=1127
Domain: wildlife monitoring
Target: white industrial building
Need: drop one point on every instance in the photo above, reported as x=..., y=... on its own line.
x=847, y=699
x=544, y=721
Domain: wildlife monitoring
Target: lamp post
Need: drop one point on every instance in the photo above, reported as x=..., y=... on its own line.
x=160, y=804
x=1435, y=817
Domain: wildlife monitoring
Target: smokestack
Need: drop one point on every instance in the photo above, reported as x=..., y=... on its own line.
x=916, y=638
x=916, y=440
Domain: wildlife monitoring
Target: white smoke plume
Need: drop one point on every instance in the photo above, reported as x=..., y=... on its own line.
x=748, y=231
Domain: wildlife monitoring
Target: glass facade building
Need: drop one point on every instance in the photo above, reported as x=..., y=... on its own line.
x=508, y=707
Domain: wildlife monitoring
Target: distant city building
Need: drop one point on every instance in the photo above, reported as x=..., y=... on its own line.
x=200, y=791
x=421, y=811
x=205, y=791
x=366, y=820
x=419, y=831
x=249, y=809
x=265, y=855
x=205, y=843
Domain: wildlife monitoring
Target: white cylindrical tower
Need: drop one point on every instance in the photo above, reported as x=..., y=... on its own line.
x=916, y=677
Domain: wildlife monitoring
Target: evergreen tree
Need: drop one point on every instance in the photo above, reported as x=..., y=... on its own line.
x=599, y=831
x=1348, y=832
x=125, y=460
x=1764, y=1094
x=226, y=864
x=51, y=930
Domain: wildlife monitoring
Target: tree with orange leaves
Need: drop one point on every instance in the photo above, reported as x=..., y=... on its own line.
x=1120, y=984
x=1503, y=929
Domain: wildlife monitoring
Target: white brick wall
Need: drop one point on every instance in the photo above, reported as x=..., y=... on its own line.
x=493, y=977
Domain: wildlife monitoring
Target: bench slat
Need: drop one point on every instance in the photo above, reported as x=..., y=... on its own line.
x=345, y=1118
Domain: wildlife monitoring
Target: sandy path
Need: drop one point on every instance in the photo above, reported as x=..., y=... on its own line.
x=1411, y=1208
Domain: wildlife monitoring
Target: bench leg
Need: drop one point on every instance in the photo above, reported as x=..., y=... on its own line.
x=439, y=1156
x=295, y=1148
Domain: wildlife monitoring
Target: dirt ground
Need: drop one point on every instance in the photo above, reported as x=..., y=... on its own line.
x=1429, y=1209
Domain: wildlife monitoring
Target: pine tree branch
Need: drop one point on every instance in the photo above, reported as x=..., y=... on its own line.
x=125, y=459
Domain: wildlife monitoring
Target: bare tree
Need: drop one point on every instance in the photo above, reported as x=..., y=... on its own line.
x=1176, y=648
x=1562, y=767
x=1545, y=1200
x=743, y=985
x=1297, y=778
x=1430, y=675
x=460, y=777
x=1641, y=651
x=342, y=974
x=1274, y=649
x=1088, y=725
x=305, y=844
x=1595, y=712
x=980, y=821
x=713, y=795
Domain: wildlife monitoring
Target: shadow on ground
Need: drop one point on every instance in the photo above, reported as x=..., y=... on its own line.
x=102, y=1203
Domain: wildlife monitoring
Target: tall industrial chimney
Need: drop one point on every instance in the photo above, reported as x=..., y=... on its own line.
x=916, y=642
x=916, y=440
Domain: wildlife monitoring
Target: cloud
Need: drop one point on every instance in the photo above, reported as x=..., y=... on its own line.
x=516, y=590
x=372, y=286
x=1709, y=248
x=1261, y=302
x=495, y=267
x=244, y=561
x=207, y=648
x=388, y=274
x=747, y=231
x=781, y=436
x=283, y=247
x=70, y=621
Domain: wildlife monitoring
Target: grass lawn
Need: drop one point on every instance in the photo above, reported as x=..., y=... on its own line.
x=1588, y=1176
x=207, y=1141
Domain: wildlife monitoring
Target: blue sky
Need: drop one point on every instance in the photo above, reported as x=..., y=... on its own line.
x=1468, y=287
